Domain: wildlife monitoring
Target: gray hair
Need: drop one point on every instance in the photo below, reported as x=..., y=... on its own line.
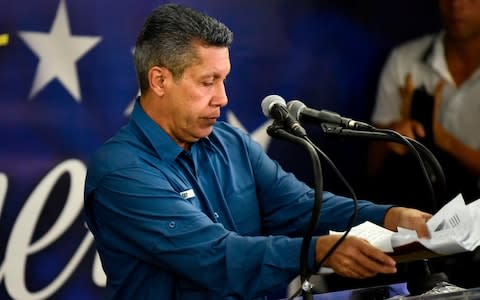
x=168, y=37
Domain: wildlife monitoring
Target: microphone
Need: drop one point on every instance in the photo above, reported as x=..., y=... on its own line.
x=304, y=114
x=273, y=106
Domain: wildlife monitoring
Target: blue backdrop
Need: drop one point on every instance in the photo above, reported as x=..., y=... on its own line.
x=67, y=82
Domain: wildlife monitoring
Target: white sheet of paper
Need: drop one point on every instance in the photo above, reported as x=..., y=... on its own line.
x=376, y=235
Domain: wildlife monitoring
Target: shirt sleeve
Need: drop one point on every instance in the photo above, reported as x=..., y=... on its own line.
x=388, y=99
x=287, y=202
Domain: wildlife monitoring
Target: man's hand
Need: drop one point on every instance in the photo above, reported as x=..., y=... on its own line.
x=406, y=126
x=407, y=218
x=354, y=257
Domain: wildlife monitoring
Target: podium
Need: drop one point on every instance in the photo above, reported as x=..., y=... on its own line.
x=395, y=290
x=471, y=294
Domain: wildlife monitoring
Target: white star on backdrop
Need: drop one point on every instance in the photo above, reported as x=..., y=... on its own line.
x=58, y=52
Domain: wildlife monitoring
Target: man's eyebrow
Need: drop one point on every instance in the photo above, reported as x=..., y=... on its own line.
x=213, y=75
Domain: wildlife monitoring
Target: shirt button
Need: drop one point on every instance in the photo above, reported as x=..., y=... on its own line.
x=215, y=214
x=172, y=225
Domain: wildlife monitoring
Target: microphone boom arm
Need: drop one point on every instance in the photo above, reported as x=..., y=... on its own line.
x=391, y=136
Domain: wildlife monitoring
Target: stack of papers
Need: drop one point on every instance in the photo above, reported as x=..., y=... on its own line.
x=453, y=229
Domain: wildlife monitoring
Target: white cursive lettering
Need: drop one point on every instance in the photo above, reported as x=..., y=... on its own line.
x=20, y=244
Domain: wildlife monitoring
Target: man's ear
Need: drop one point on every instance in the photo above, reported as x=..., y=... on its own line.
x=158, y=78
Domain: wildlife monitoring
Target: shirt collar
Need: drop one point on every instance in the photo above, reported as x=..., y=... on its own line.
x=161, y=142
x=434, y=56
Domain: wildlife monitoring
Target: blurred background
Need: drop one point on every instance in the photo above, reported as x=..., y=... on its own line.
x=67, y=82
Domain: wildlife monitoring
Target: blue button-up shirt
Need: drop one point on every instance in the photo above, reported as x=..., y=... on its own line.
x=220, y=221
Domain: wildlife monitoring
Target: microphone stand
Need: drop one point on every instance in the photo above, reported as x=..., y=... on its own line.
x=277, y=131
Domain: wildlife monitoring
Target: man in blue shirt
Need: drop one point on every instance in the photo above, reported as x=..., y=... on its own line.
x=184, y=207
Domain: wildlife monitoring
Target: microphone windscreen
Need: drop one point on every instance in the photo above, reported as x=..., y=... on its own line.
x=269, y=101
x=295, y=107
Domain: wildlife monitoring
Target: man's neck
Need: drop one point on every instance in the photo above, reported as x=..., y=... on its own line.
x=463, y=57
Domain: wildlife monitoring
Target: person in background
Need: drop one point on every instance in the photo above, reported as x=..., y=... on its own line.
x=429, y=91
x=183, y=206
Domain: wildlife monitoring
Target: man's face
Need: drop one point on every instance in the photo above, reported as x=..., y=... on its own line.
x=461, y=18
x=194, y=100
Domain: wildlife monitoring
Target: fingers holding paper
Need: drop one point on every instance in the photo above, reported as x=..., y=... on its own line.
x=408, y=218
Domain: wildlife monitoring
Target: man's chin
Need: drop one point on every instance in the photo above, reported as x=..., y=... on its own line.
x=204, y=132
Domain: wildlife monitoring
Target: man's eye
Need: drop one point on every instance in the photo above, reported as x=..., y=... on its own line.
x=209, y=83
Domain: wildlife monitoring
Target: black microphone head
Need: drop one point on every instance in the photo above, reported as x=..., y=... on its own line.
x=269, y=101
x=295, y=107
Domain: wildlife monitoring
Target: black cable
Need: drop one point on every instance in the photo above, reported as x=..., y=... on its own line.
x=314, y=222
x=277, y=130
x=420, y=161
x=351, y=222
x=353, y=217
x=415, y=147
x=374, y=133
